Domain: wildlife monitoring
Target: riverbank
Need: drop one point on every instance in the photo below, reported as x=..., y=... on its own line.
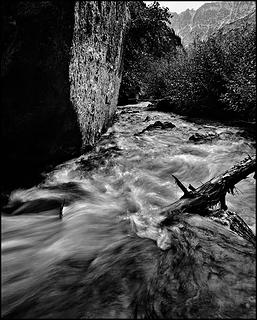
x=227, y=118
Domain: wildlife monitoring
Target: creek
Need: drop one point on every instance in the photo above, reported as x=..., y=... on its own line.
x=128, y=173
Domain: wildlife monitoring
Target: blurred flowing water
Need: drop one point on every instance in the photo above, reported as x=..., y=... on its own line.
x=127, y=173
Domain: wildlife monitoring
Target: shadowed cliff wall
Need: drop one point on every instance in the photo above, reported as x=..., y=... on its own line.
x=97, y=42
x=60, y=73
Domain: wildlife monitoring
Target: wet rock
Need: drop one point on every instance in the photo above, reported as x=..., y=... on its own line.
x=100, y=158
x=200, y=137
x=168, y=125
x=227, y=135
x=159, y=125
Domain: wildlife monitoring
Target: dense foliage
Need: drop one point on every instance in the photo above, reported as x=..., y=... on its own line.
x=148, y=37
x=214, y=78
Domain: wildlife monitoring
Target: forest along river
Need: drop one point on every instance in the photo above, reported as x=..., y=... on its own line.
x=128, y=173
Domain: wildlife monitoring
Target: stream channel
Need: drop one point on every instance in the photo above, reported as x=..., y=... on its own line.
x=128, y=173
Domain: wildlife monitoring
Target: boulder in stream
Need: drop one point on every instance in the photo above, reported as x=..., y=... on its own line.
x=200, y=137
x=159, y=125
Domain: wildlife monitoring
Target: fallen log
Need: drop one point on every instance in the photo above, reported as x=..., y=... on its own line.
x=200, y=201
x=207, y=273
x=208, y=256
x=212, y=192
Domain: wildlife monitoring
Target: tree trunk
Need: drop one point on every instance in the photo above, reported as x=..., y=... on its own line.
x=200, y=201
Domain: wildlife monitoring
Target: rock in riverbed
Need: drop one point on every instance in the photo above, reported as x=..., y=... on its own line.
x=200, y=137
x=158, y=125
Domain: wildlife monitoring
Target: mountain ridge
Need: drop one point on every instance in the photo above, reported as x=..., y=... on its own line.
x=210, y=17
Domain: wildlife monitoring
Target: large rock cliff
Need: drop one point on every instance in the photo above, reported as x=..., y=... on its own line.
x=95, y=68
x=60, y=72
x=209, y=18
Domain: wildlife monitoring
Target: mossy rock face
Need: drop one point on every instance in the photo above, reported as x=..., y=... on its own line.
x=57, y=97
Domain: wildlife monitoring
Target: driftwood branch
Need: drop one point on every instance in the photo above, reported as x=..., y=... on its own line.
x=199, y=201
x=212, y=192
x=191, y=188
x=181, y=186
x=202, y=200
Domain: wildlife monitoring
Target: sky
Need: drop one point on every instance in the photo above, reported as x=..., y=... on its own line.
x=179, y=6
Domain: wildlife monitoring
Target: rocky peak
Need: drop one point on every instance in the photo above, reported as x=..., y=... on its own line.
x=209, y=18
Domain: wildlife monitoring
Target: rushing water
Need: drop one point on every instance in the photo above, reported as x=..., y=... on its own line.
x=128, y=173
